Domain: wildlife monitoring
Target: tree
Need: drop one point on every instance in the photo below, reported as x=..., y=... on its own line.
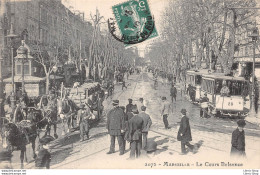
x=204, y=29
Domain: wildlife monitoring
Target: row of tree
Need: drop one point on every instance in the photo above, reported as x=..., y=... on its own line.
x=99, y=58
x=200, y=33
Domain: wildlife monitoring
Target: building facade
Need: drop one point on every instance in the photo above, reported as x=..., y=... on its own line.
x=48, y=22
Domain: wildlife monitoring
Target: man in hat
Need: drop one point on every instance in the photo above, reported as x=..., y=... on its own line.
x=184, y=133
x=238, y=140
x=224, y=90
x=204, y=106
x=147, y=124
x=136, y=125
x=166, y=108
x=129, y=105
x=115, y=126
x=82, y=121
x=43, y=158
x=173, y=93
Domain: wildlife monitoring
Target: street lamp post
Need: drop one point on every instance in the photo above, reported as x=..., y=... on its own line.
x=22, y=53
x=12, y=36
x=254, y=37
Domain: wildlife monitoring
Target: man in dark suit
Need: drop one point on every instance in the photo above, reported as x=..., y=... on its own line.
x=135, y=130
x=129, y=106
x=173, y=93
x=115, y=126
x=184, y=133
x=43, y=158
x=238, y=140
x=147, y=124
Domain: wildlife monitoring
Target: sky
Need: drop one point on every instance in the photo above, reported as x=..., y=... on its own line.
x=105, y=9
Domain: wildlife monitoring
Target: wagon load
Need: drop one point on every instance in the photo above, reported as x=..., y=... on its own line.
x=82, y=92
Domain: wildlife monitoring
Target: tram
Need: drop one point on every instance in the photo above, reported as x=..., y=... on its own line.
x=193, y=78
x=234, y=104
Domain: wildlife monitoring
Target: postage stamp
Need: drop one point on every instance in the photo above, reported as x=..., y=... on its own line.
x=134, y=21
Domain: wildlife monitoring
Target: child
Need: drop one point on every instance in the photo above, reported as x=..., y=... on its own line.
x=238, y=140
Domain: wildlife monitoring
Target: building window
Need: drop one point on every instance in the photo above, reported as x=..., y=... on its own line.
x=19, y=68
x=246, y=51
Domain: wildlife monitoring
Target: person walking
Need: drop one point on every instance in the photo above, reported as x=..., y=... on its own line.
x=184, y=133
x=123, y=85
x=238, y=140
x=147, y=124
x=136, y=125
x=173, y=93
x=115, y=126
x=166, y=108
x=82, y=121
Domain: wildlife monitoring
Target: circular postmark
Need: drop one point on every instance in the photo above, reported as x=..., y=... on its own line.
x=139, y=31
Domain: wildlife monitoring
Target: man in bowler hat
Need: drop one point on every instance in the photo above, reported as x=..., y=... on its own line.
x=147, y=124
x=115, y=126
x=238, y=140
x=135, y=130
x=184, y=133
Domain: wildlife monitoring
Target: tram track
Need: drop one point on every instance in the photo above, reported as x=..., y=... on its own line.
x=117, y=95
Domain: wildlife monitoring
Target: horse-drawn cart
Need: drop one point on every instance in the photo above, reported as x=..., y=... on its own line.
x=91, y=94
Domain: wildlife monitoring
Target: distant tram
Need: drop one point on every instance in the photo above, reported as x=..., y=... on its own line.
x=194, y=78
x=235, y=104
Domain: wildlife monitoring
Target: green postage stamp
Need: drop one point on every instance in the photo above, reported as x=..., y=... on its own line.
x=135, y=21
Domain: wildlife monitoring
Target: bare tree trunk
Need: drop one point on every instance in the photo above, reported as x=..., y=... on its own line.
x=47, y=82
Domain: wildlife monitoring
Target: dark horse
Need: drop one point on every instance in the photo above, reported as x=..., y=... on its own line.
x=16, y=136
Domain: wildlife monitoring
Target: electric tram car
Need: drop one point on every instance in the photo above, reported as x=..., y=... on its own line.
x=234, y=104
x=193, y=78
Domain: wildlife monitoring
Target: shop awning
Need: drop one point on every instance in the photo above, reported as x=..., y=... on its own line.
x=27, y=79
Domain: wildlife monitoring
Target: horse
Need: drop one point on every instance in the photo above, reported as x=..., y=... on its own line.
x=48, y=107
x=67, y=110
x=16, y=136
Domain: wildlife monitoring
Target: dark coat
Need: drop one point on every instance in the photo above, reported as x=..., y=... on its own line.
x=173, y=91
x=136, y=125
x=129, y=108
x=238, y=142
x=115, y=121
x=184, y=130
x=127, y=136
x=129, y=115
x=43, y=159
x=147, y=121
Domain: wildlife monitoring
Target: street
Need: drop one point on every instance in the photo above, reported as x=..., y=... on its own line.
x=213, y=134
